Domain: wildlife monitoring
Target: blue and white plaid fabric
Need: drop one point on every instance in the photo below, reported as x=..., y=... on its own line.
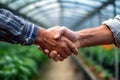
x=14, y=29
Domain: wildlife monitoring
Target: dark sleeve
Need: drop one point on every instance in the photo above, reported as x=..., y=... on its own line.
x=14, y=29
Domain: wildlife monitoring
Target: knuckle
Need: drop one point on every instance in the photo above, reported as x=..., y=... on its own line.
x=51, y=55
x=63, y=27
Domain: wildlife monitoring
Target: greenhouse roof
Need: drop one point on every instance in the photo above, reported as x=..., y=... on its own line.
x=69, y=13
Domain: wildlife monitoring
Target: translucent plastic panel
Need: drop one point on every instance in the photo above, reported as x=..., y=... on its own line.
x=93, y=3
x=5, y=1
x=117, y=7
x=50, y=17
x=46, y=23
x=33, y=6
x=73, y=6
x=37, y=16
x=68, y=4
x=87, y=4
x=109, y=8
x=71, y=19
x=103, y=0
x=117, y=3
x=37, y=5
x=118, y=11
x=66, y=14
x=44, y=2
x=69, y=14
x=44, y=12
x=16, y=4
x=81, y=12
x=27, y=9
x=50, y=6
x=108, y=12
x=66, y=22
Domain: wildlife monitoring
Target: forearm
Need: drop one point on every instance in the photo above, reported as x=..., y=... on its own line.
x=95, y=36
x=14, y=29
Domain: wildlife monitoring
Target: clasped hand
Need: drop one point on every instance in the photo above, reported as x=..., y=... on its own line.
x=57, y=42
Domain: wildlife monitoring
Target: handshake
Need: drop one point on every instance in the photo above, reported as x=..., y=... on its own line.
x=58, y=42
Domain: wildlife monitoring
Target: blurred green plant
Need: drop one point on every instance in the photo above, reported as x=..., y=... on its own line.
x=20, y=62
x=101, y=57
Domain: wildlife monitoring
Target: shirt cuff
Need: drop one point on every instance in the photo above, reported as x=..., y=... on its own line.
x=114, y=25
x=29, y=33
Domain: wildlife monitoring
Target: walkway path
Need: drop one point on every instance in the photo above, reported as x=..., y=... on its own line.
x=59, y=71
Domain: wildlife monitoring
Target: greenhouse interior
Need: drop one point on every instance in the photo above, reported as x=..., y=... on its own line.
x=101, y=62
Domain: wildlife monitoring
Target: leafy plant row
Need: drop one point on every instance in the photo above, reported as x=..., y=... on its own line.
x=101, y=56
x=20, y=62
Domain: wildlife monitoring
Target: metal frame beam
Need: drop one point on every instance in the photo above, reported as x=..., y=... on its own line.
x=17, y=13
x=92, y=13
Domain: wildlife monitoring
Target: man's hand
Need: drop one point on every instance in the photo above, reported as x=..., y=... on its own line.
x=60, y=32
x=61, y=46
x=69, y=34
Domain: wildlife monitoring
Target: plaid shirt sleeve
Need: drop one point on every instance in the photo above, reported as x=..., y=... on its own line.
x=14, y=29
x=114, y=25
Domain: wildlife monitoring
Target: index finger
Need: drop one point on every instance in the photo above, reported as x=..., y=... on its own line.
x=71, y=46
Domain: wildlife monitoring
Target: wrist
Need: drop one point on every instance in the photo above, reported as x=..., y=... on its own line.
x=40, y=34
x=83, y=37
x=78, y=44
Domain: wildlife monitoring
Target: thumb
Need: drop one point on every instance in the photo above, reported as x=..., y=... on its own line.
x=60, y=31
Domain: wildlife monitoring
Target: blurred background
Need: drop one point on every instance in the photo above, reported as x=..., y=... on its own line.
x=93, y=63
